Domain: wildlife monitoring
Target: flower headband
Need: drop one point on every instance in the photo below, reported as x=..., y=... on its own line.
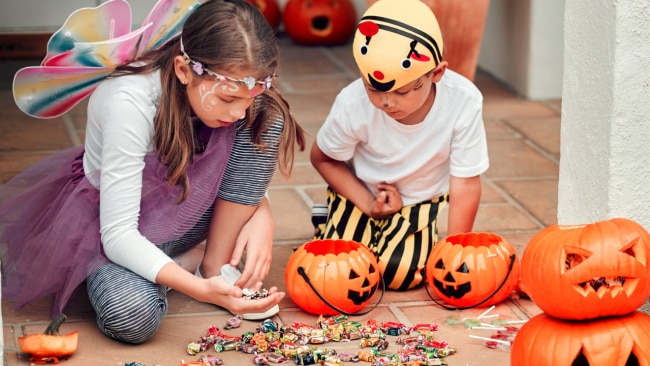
x=249, y=81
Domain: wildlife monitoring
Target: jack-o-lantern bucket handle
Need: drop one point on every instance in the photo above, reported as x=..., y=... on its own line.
x=513, y=257
x=303, y=274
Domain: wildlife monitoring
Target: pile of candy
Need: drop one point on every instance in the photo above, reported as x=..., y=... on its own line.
x=300, y=342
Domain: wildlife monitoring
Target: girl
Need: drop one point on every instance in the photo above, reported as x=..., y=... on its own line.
x=181, y=144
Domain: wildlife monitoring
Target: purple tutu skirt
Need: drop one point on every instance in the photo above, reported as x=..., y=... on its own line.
x=49, y=218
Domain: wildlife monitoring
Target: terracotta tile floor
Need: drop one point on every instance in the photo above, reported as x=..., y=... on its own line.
x=520, y=196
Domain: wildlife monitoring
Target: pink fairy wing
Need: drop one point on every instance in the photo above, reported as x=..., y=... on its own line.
x=167, y=18
x=86, y=50
x=107, y=21
x=50, y=91
x=100, y=54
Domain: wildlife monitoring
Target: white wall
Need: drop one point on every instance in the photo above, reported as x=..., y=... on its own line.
x=605, y=165
x=523, y=46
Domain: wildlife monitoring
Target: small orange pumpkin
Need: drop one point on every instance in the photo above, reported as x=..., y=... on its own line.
x=545, y=341
x=344, y=273
x=49, y=344
x=588, y=271
x=472, y=269
x=319, y=22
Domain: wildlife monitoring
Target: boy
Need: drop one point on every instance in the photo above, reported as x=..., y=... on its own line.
x=400, y=143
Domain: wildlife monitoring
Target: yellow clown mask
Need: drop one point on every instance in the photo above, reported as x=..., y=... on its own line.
x=396, y=42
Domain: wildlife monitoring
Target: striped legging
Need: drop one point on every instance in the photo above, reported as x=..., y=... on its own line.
x=130, y=308
x=401, y=242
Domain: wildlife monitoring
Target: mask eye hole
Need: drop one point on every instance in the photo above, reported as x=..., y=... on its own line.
x=363, y=49
x=406, y=64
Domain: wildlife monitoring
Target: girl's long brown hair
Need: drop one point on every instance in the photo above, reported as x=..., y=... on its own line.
x=223, y=35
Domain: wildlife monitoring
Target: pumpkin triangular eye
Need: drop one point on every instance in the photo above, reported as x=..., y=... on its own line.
x=463, y=268
x=440, y=264
x=353, y=275
x=371, y=268
x=575, y=256
x=629, y=249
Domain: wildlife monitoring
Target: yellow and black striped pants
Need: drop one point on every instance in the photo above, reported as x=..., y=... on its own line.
x=401, y=242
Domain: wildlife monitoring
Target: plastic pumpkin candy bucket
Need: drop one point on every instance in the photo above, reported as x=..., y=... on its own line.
x=332, y=276
x=472, y=270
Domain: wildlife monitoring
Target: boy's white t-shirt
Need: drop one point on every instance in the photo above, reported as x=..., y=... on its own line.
x=418, y=159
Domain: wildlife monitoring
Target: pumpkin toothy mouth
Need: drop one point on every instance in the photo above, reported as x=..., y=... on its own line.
x=608, y=282
x=613, y=285
x=452, y=291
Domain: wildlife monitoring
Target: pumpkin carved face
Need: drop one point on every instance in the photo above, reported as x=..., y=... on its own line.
x=319, y=22
x=472, y=269
x=588, y=271
x=345, y=273
x=545, y=341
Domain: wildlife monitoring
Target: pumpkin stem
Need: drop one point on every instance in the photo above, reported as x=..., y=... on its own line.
x=55, y=324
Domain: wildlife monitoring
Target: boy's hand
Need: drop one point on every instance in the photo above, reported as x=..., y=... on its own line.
x=387, y=201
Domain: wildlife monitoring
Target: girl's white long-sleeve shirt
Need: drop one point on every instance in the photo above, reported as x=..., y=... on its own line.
x=119, y=133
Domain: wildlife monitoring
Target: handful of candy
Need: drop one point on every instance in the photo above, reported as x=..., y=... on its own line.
x=249, y=294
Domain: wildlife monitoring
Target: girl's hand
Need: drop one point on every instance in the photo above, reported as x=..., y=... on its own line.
x=387, y=201
x=230, y=297
x=256, y=237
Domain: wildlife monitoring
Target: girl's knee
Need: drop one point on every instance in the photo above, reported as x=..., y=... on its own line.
x=129, y=308
x=132, y=322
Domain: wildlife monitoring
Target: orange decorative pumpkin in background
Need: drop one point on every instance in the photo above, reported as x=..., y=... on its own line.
x=472, y=269
x=545, y=341
x=588, y=271
x=270, y=9
x=319, y=22
x=344, y=273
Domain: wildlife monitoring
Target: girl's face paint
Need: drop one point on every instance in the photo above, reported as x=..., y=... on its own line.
x=219, y=103
x=208, y=95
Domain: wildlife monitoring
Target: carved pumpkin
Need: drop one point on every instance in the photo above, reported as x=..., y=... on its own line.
x=49, y=345
x=319, y=22
x=588, y=271
x=472, y=269
x=270, y=9
x=344, y=273
x=545, y=341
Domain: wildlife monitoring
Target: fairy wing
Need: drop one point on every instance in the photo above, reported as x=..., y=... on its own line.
x=88, y=47
x=50, y=91
x=109, y=20
x=166, y=18
x=106, y=53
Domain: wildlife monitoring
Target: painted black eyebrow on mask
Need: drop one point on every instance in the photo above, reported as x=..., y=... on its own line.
x=419, y=36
